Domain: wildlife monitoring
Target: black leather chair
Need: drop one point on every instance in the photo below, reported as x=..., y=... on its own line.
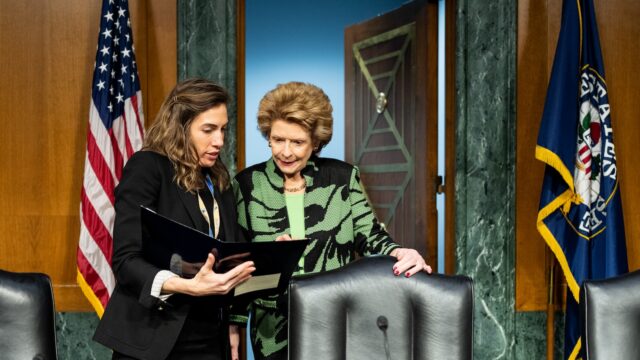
x=363, y=311
x=610, y=311
x=27, y=317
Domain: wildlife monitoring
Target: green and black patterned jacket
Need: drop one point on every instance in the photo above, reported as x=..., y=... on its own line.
x=338, y=220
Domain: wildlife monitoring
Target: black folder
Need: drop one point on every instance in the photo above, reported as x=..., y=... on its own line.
x=165, y=240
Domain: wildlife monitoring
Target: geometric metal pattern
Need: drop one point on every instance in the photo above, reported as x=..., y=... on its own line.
x=385, y=141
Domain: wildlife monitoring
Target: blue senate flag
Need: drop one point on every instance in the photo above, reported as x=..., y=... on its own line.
x=580, y=214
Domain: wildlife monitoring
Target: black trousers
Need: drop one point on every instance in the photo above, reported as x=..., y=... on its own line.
x=204, y=336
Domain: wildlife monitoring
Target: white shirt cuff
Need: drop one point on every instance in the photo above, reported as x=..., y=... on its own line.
x=158, y=281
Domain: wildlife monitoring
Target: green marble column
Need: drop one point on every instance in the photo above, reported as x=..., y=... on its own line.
x=485, y=181
x=485, y=168
x=207, y=49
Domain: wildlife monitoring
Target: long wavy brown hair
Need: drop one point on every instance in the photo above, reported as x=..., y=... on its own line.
x=169, y=133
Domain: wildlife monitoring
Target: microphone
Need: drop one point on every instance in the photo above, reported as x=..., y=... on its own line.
x=383, y=324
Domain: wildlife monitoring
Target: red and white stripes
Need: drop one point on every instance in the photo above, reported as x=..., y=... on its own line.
x=107, y=152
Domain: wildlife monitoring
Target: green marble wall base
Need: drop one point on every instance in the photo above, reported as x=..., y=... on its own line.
x=73, y=337
x=531, y=335
x=75, y=330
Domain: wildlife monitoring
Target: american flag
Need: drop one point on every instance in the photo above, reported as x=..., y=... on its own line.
x=114, y=133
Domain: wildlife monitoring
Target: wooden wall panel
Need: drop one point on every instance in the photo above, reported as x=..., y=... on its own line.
x=619, y=34
x=46, y=62
x=538, y=28
x=162, y=54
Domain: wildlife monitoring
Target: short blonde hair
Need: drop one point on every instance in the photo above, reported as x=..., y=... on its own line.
x=299, y=103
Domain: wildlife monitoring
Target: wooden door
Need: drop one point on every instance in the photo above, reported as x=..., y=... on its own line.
x=391, y=119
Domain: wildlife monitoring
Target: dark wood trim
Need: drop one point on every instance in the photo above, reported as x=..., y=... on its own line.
x=430, y=105
x=240, y=85
x=450, y=130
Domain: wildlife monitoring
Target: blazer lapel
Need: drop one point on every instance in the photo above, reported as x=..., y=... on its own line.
x=227, y=214
x=190, y=202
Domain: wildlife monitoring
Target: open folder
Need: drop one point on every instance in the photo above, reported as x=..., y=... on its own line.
x=166, y=243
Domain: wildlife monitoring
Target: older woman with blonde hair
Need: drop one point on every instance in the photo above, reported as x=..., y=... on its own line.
x=155, y=313
x=297, y=194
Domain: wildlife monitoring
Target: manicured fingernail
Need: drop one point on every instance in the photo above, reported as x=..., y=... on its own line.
x=407, y=274
x=396, y=272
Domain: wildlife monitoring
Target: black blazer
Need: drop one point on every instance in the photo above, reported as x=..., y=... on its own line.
x=136, y=323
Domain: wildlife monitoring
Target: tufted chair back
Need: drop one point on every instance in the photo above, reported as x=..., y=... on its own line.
x=363, y=311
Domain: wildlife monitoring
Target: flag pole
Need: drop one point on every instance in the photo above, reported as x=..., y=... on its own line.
x=551, y=261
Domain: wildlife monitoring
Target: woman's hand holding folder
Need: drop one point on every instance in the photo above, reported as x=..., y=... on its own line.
x=208, y=282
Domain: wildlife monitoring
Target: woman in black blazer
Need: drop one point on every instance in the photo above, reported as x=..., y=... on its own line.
x=155, y=313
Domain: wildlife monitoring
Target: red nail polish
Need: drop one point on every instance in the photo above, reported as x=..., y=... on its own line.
x=407, y=274
x=396, y=272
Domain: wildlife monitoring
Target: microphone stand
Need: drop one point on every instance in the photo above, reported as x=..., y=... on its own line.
x=383, y=324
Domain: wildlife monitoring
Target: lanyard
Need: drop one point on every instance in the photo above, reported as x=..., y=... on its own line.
x=216, y=211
